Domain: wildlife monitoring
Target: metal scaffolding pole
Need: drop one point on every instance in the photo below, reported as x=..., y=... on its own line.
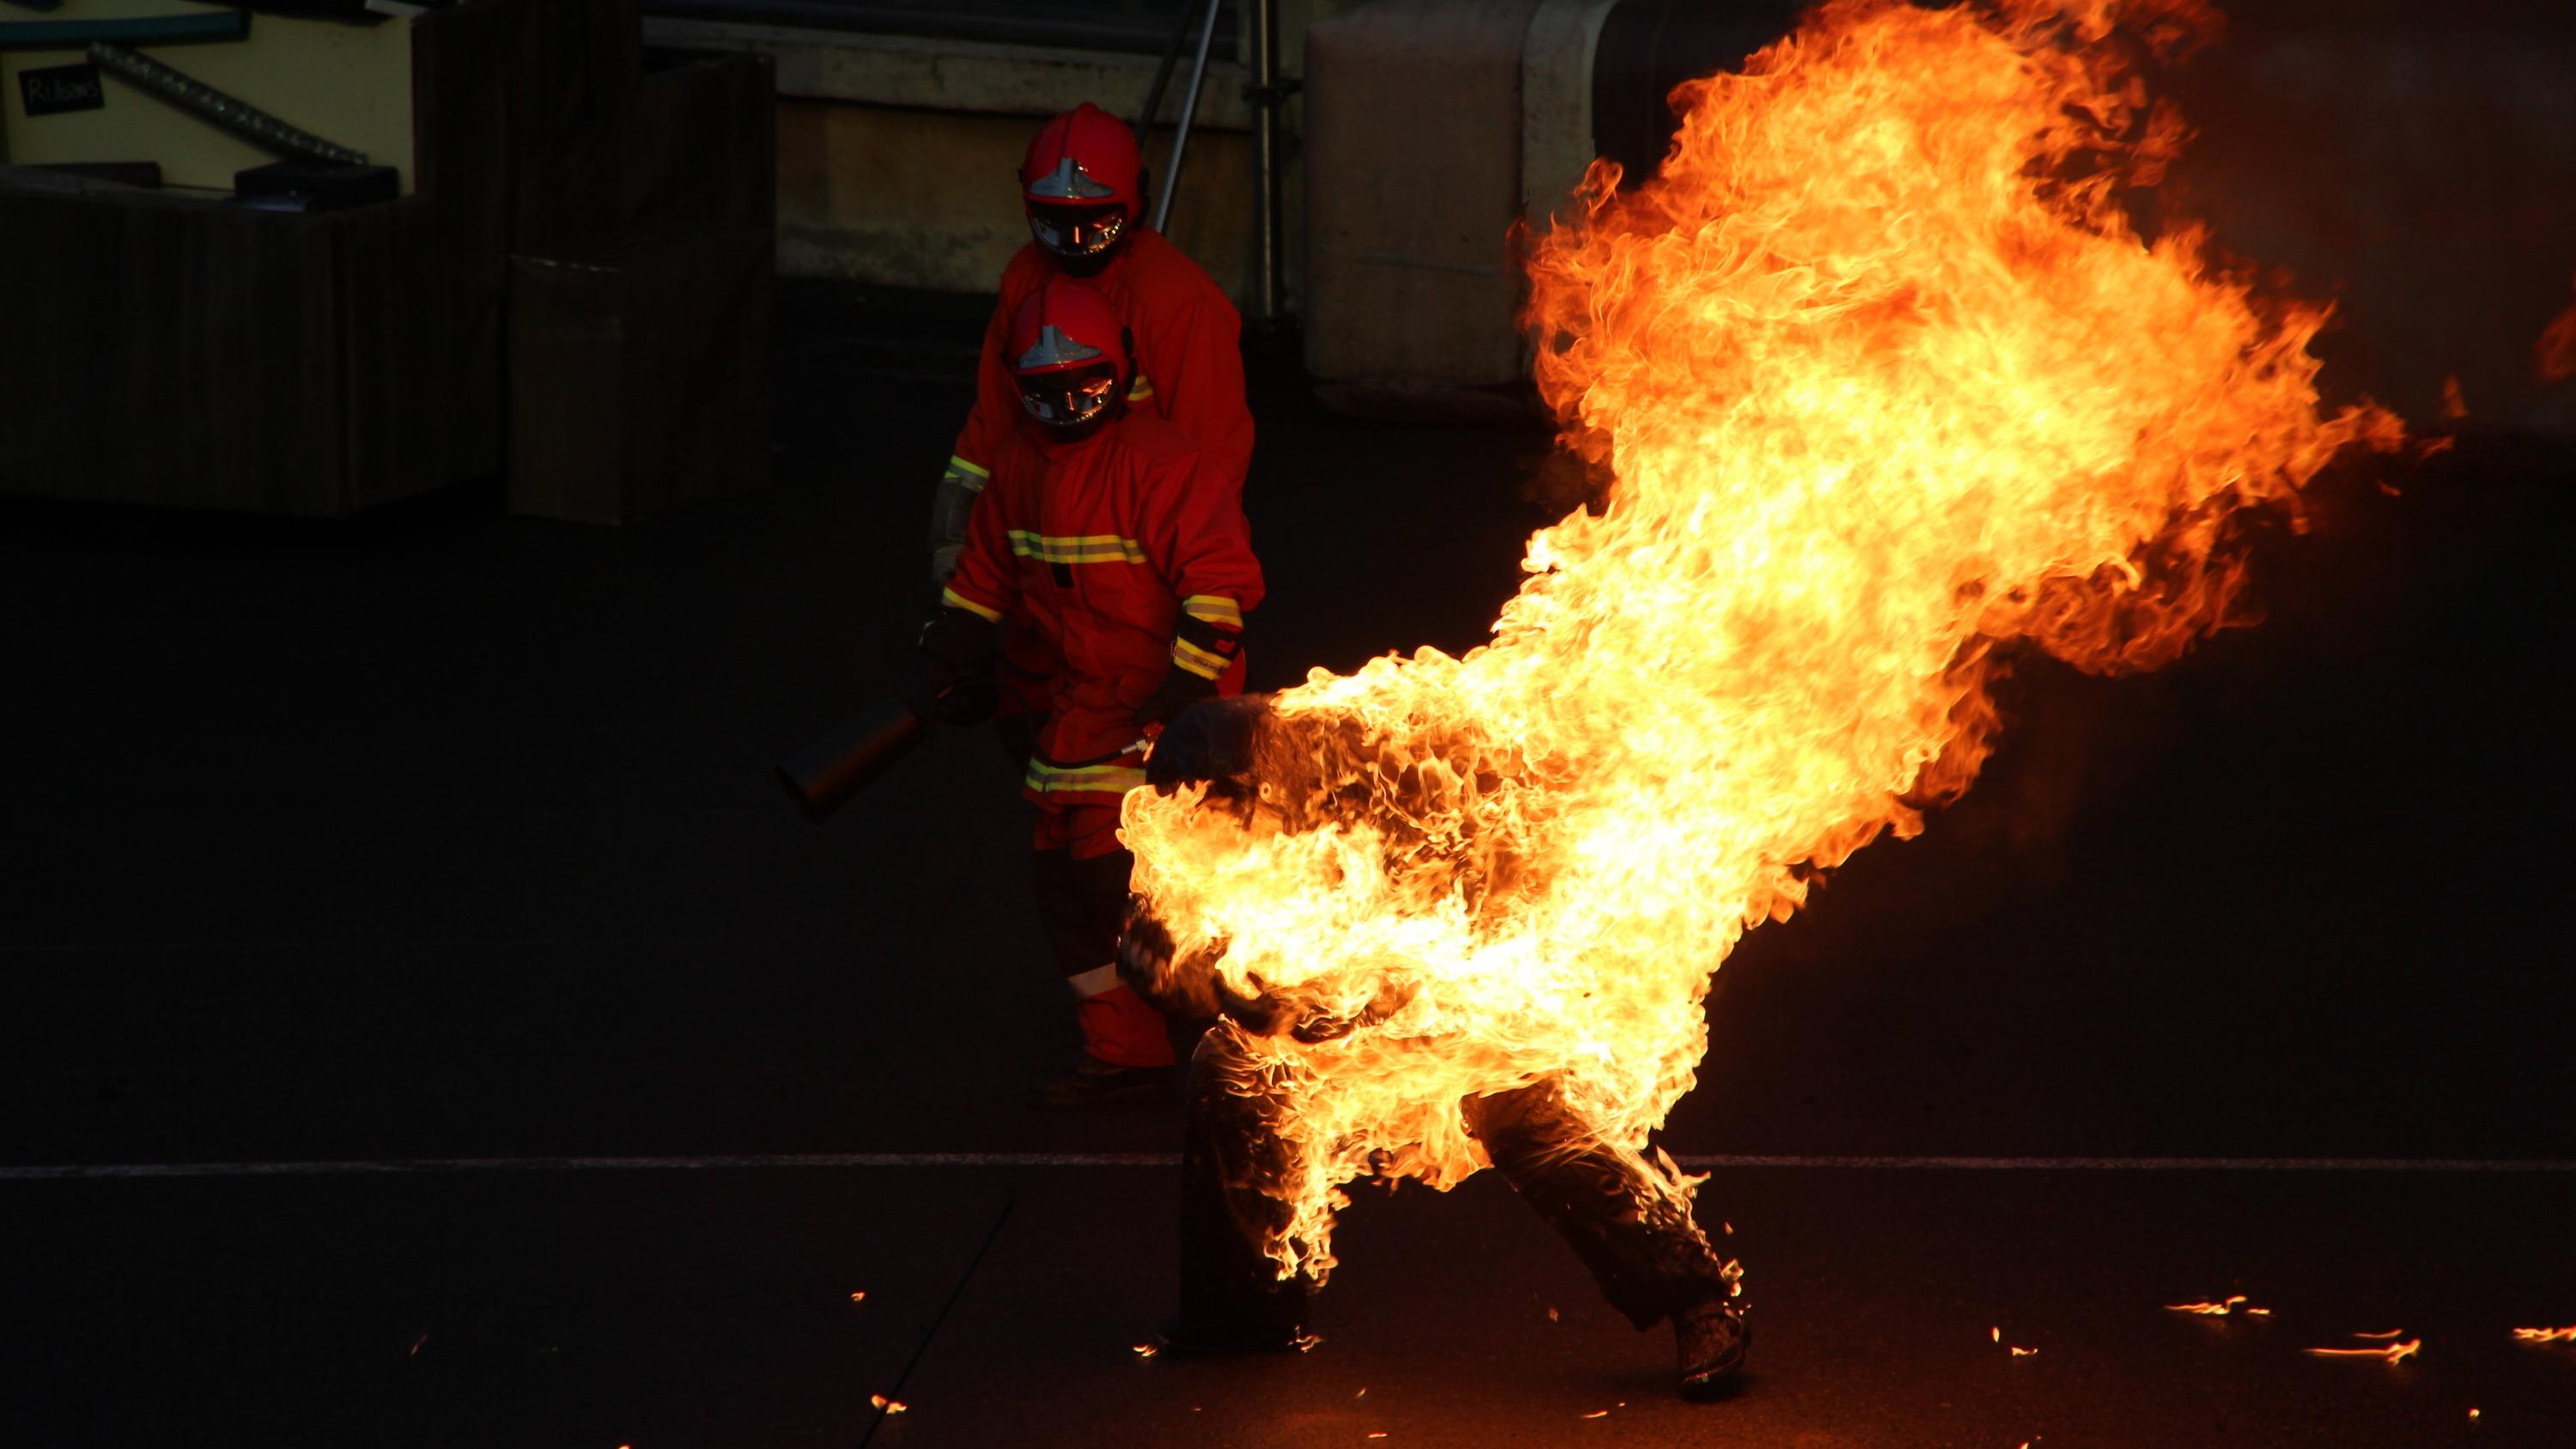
x=1267, y=95
x=1189, y=113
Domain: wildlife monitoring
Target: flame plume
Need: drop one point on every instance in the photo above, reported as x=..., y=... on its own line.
x=1884, y=379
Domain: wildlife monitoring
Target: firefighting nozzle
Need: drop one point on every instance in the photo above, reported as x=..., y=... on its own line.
x=827, y=774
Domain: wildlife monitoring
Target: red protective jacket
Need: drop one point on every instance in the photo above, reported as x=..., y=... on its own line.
x=1188, y=352
x=1104, y=544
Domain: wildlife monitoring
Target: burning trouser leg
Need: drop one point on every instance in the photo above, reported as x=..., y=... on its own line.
x=1232, y=1160
x=1081, y=876
x=1628, y=1221
x=1635, y=1234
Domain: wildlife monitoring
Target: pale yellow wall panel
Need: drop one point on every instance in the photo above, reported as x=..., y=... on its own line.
x=917, y=198
x=349, y=84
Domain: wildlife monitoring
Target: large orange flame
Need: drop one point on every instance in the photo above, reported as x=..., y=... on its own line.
x=1885, y=379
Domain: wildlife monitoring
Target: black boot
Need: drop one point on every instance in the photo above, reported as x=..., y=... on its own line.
x=1712, y=1337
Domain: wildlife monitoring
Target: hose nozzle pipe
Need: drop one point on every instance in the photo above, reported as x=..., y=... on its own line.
x=829, y=773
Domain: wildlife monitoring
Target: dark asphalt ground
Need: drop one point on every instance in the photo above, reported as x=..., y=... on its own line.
x=440, y=834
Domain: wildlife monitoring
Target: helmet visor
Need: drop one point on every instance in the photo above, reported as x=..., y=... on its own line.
x=1077, y=231
x=1070, y=397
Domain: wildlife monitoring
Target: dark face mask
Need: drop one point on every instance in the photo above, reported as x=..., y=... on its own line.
x=1078, y=233
x=1073, y=401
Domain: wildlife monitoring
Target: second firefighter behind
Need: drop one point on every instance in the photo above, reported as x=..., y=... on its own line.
x=1082, y=188
x=1123, y=545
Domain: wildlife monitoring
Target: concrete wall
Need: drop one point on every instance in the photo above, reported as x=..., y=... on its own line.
x=2414, y=163
x=349, y=84
x=896, y=153
x=921, y=198
x=1417, y=105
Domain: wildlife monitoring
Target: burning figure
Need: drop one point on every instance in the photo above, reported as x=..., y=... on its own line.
x=1886, y=385
x=1627, y=1217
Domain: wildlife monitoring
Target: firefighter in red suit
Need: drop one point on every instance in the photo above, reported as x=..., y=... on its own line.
x=1080, y=184
x=1122, y=542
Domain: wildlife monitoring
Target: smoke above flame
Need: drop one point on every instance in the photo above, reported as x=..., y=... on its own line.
x=1886, y=385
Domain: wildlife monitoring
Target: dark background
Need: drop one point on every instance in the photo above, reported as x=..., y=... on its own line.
x=435, y=833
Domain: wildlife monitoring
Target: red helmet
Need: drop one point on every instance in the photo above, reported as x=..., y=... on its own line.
x=1079, y=182
x=1068, y=352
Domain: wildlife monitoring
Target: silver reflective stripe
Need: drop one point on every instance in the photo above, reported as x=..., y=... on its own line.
x=951, y=504
x=1068, y=182
x=1054, y=349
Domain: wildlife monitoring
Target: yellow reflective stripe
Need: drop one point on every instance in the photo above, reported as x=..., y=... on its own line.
x=1189, y=656
x=969, y=469
x=1090, y=548
x=1141, y=389
x=1214, y=608
x=956, y=600
x=1049, y=779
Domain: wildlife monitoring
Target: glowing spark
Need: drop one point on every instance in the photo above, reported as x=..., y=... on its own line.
x=2473, y=1413
x=2546, y=1335
x=891, y=1406
x=1598, y=1414
x=2454, y=406
x=1380, y=1434
x=1997, y=1334
x=1551, y=1315
x=1362, y=1394
x=2393, y=1353
x=2221, y=1308
x=2392, y=1333
x=418, y=1342
x=2025, y=1353
x=859, y=1297
x=1143, y=1350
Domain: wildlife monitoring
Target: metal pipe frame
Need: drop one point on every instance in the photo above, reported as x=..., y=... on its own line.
x=1189, y=113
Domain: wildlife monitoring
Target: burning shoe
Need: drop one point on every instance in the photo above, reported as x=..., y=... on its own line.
x=1712, y=1338
x=1095, y=1083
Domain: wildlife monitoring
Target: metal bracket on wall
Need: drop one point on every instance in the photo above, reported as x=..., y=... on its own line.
x=217, y=109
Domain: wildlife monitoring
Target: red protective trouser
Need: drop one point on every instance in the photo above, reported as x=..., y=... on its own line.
x=1081, y=875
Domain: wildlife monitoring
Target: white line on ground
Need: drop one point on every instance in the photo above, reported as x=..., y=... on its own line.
x=809, y=1160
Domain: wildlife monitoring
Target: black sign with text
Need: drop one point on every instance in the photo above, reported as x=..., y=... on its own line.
x=61, y=88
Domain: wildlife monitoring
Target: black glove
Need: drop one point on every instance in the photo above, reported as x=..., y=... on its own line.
x=955, y=643
x=1179, y=690
x=1210, y=740
x=956, y=656
x=1146, y=965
